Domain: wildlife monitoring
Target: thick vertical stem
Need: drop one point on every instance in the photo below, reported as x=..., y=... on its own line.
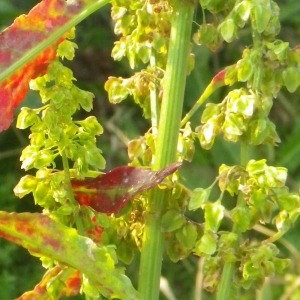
x=166, y=146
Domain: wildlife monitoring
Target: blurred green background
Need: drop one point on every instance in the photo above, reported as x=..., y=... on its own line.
x=92, y=65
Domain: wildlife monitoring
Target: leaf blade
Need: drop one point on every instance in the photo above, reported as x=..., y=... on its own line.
x=30, y=43
x=109, y=192
x=43, y=236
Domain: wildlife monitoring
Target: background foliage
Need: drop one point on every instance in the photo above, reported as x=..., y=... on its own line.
x=92, y=65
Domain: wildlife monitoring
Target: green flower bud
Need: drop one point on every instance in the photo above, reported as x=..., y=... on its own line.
x=25, y=186
x=26, y=118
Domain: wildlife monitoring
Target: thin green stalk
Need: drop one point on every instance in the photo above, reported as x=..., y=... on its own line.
x=208, y=91
x=257, y=79
x=166, y=146
x=216, y=82
x=67, y=176
x=225, y=284
x=70, y=194
x=154, y=98
x=227, y=274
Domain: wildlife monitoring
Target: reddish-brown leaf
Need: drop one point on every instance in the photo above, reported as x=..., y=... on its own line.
x=41, y=288
x=109, y=192
x=71, y=285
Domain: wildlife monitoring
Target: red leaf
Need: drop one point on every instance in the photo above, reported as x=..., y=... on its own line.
x=109, y=192
x=72, y=285
x=70, y=288
x=218, y=79
x=17, y=43
x=41, y=288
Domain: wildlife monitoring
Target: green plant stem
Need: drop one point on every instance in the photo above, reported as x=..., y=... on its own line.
x=166, y=146
x=69, y=189
x=67, y=177
x=61, y=30
x=154, y=98
x=227, y=274
x=225, y=284
x=257, y=78
x=207, y=92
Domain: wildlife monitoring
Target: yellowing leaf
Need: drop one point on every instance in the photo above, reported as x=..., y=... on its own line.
x=45, y=237
x=27, y=46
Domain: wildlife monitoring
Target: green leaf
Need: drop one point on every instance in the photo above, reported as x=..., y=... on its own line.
x=65, y=210
x=91, y=125
x=144, y=52
x=176, y=250
x=37, y=139
x=258, y=198
x=125, y=252
x=259, y=131
x=171, y=221
x=43, y=158
x=243, y=10
x=250, y=270
x=214, y=213
x=255, y=167
x=58, y=97
x=233, y=125
x=46, y=237
x=50, y=118
x=244, y=105
x=288, y=201
x=281, y=264
x=94, y=158
x=117, y=90
x=204, y=3
x=199, y=197
x=227, y=30
x=187, y=235
x=207, y=134
x=262, y=17
x=88, y=288
x=267, y=211
x=283, y=222
x=230, y=75
x=40, y=193
x=227, y=239
x=66, y=49
x=208, y=35
x=291, y=79
x=118, y=51
x=102, y=219
x=136, y=148
x=241, y=217
x=276, y=176
x=26, y=118
x=210, y=111
x=245, y=70
x=206, y=245
x=85, y=99
x=25, y=186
